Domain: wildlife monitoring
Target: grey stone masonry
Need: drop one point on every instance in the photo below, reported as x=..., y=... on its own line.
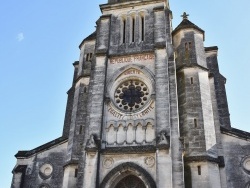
x=176, y=142
x=219, y=82
x=70, y=100
x=147, y=108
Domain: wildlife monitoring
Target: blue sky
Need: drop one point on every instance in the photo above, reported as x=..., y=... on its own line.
x=39, y=42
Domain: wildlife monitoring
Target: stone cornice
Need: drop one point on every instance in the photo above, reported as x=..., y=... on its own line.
x=220, y=160
x=128, y=4
x=53, y=143
x=193, y=65
x=70, y=163
x=129, y=149
x=236, y=133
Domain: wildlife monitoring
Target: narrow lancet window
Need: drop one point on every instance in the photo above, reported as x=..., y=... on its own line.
x=186, y=47
x=80, y=131
x=199, y=170
x=76, y=173
x=142, y=28
x=89, y=56
x=133, y=30
x=124, y=31
x=195, y=123
x=190, y=46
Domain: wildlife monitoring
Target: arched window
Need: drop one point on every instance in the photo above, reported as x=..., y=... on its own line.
x=133, y=30
x=130, y=181
x=142, y=28
x=124, y=30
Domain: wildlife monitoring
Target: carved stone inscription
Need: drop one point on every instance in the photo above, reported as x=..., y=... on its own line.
x=132, y=71
x=121, y=116
x=132, y=58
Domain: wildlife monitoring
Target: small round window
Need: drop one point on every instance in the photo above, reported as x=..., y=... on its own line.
x=246, y=164
x=46, y=171
x=131, y=95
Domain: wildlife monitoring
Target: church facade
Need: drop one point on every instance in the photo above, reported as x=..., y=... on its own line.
x=147, y=109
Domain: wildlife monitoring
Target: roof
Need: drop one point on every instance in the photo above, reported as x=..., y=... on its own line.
x=186, y=24
x=211, y=48
x=236, y=132
x=92, y=36
x=20, y=168
x=48, y=145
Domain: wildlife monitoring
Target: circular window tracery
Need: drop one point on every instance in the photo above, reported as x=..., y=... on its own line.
x=131, y=95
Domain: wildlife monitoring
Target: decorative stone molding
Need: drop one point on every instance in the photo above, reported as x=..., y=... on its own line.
x=130, y=133
x=91, y=144
x=29, y=171
x=130, y=149
x=163, y=141
x=108, y=162
x=246, y=164
x=46, y=171
x=149, y=161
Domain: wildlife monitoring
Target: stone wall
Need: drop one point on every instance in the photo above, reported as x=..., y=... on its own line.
x=237, y=159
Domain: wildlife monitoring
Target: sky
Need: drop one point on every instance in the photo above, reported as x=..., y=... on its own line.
x=39, y=42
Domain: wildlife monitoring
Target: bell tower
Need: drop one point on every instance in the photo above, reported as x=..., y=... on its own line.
x=131, y=128
x=198, y=123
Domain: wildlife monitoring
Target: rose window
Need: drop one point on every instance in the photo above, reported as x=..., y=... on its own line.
x=131, y=95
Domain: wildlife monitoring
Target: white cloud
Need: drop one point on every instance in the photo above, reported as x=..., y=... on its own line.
x=20, y=37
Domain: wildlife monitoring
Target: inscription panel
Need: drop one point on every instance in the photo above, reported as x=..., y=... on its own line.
x=132, y=58
x=123, y=116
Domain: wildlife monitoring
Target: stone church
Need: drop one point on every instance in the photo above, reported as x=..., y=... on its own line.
x=147, y=109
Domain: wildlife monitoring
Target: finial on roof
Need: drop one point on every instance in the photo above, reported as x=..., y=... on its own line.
x=185, y=16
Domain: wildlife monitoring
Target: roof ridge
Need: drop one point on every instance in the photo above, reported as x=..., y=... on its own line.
x=187, y=24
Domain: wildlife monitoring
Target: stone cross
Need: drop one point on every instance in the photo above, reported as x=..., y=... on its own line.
x=185, y=15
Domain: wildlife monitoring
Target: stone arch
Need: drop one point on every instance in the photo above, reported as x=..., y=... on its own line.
x=148, y=74
x=111, y=135
x=140, y=133
x=130, y=133
x=150, y=132
x=124, y=170
x=143, y=12
x=121, y=134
